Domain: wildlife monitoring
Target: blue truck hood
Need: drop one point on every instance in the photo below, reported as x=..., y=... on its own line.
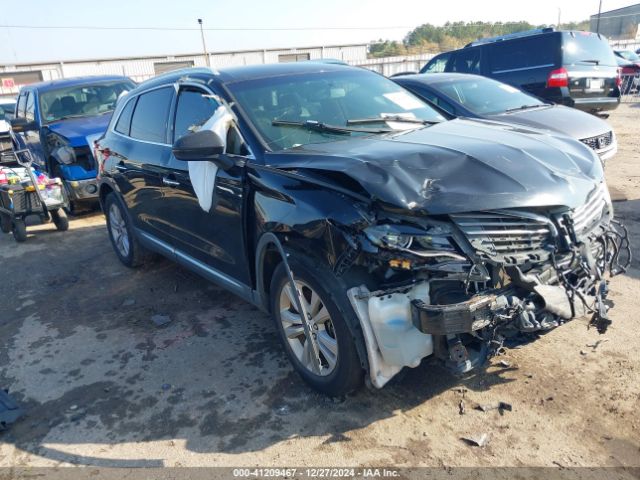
x=75, y=130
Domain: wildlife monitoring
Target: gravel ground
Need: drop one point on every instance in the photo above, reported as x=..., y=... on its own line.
x=104, y=386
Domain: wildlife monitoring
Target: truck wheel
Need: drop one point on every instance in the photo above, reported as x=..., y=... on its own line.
x=338, y=370
x=60, y=219
x=124, y=242
x=5, y=223
x=19, y=230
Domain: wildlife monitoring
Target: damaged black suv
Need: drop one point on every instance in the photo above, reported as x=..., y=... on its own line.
x=374, y=231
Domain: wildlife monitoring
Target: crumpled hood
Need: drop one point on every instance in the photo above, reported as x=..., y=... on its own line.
x=570, y=121
x=456, y=166
x=75, y=130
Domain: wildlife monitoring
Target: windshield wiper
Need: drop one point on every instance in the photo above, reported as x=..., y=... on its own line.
x=65, y=117
x=391, y=118
x=525, y=107
x=316, y=126
x=597, y=62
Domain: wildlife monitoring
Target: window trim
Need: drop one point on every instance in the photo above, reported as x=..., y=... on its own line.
x=112, y=128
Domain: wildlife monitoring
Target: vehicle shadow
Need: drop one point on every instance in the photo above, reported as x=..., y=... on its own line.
x=95, y=374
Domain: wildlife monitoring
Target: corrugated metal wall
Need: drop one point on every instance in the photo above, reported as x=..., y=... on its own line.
x=140, y=69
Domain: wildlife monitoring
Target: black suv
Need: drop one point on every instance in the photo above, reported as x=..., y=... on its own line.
x=577, y=69
x=374, y=231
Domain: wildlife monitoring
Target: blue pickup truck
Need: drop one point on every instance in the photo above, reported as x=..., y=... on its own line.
x=58, y=121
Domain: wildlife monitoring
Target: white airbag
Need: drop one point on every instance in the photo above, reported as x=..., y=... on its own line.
x=203, y=174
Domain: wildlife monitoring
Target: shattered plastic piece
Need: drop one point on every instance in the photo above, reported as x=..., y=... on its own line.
x=160, y=320
x=582, y=352
x=500, y=406
x=479, y=440
x=128, y=302
x=505, y=364
x=283, y=410
x=597, y=344
x=73, y=407
x=10, y=412
x=461, y=407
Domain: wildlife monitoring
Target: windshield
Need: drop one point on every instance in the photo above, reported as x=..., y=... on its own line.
x=81, y=100
x=7, y=110
x=628, y=55
x=484, y=96
x=339, y=99
x=584, y=48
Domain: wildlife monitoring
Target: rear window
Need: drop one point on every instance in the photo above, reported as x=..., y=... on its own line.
x=584, y=48
x=151, y=116
x=524, y=54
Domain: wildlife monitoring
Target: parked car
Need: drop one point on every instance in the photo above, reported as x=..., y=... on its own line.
x=576, y=69
x=629, y=63
x=374, y=231
x=473, y=96
x=58, y=120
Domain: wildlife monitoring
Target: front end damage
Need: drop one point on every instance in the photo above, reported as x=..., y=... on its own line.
x=457, y=286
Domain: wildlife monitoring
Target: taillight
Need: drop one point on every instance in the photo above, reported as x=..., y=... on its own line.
x=619, y=78
x=558, y=78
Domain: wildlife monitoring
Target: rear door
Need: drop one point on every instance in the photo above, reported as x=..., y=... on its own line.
x=143, y=151
x=214, y=238
x=525, y=62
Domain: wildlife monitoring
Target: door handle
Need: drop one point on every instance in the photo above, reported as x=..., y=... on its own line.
x=170, y=183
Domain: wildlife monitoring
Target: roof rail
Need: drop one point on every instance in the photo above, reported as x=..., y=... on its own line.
x=510, y=36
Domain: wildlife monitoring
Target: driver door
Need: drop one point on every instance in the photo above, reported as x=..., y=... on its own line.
x=214, y=238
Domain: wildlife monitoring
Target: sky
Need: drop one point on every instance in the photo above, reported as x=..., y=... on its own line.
x=344, y=21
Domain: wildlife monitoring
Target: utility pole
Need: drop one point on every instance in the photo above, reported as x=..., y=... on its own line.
x=204, y=45
x=559, y=14
x=598, y=22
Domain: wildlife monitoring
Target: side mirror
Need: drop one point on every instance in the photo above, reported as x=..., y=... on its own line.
x=200, y=146
x=22, y=125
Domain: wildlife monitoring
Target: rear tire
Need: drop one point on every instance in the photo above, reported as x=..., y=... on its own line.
x=5, y=223
x=342, y=371
x=19, y=230
x=123, y=240
x=60, y=219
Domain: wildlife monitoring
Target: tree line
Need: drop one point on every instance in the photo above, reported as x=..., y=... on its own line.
x=429, y=38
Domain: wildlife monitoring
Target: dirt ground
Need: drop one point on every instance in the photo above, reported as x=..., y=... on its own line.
x=102, y=385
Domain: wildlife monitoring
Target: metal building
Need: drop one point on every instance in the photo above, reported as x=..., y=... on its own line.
x=619, y=24
x=142, y=68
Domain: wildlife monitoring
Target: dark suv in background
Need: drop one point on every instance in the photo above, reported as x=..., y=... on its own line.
x=577, y=69
x=375, y=232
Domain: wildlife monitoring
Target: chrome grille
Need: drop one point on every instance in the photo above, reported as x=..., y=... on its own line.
x=504, y=237
x=589, y=214
x=599, y=142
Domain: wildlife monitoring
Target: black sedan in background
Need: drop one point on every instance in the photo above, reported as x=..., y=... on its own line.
x=473, y=96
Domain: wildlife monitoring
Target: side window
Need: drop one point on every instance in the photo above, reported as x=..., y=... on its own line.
x=192, y=111
x=151, y=115
x=524, y=54
x=22, y=102
x=438, y=64
x=124, y=122
x=466, y=61
x=30, y=109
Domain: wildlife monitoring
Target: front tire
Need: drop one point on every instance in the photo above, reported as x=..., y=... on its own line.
x=60, y=219
x=19, y=230
x=338, y=371
x=123, y=240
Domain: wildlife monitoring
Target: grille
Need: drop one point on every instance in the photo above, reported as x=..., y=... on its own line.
x=504, y=237
x=586, y=216
x=599, y=142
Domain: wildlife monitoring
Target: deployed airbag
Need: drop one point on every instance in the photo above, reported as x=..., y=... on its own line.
x=203, y=174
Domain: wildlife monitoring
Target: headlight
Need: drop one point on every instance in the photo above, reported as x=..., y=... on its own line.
x=434, y=242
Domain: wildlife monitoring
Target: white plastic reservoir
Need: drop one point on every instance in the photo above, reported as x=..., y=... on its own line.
x=399, y=341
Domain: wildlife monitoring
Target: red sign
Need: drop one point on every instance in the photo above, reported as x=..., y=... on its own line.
x=8, y=83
